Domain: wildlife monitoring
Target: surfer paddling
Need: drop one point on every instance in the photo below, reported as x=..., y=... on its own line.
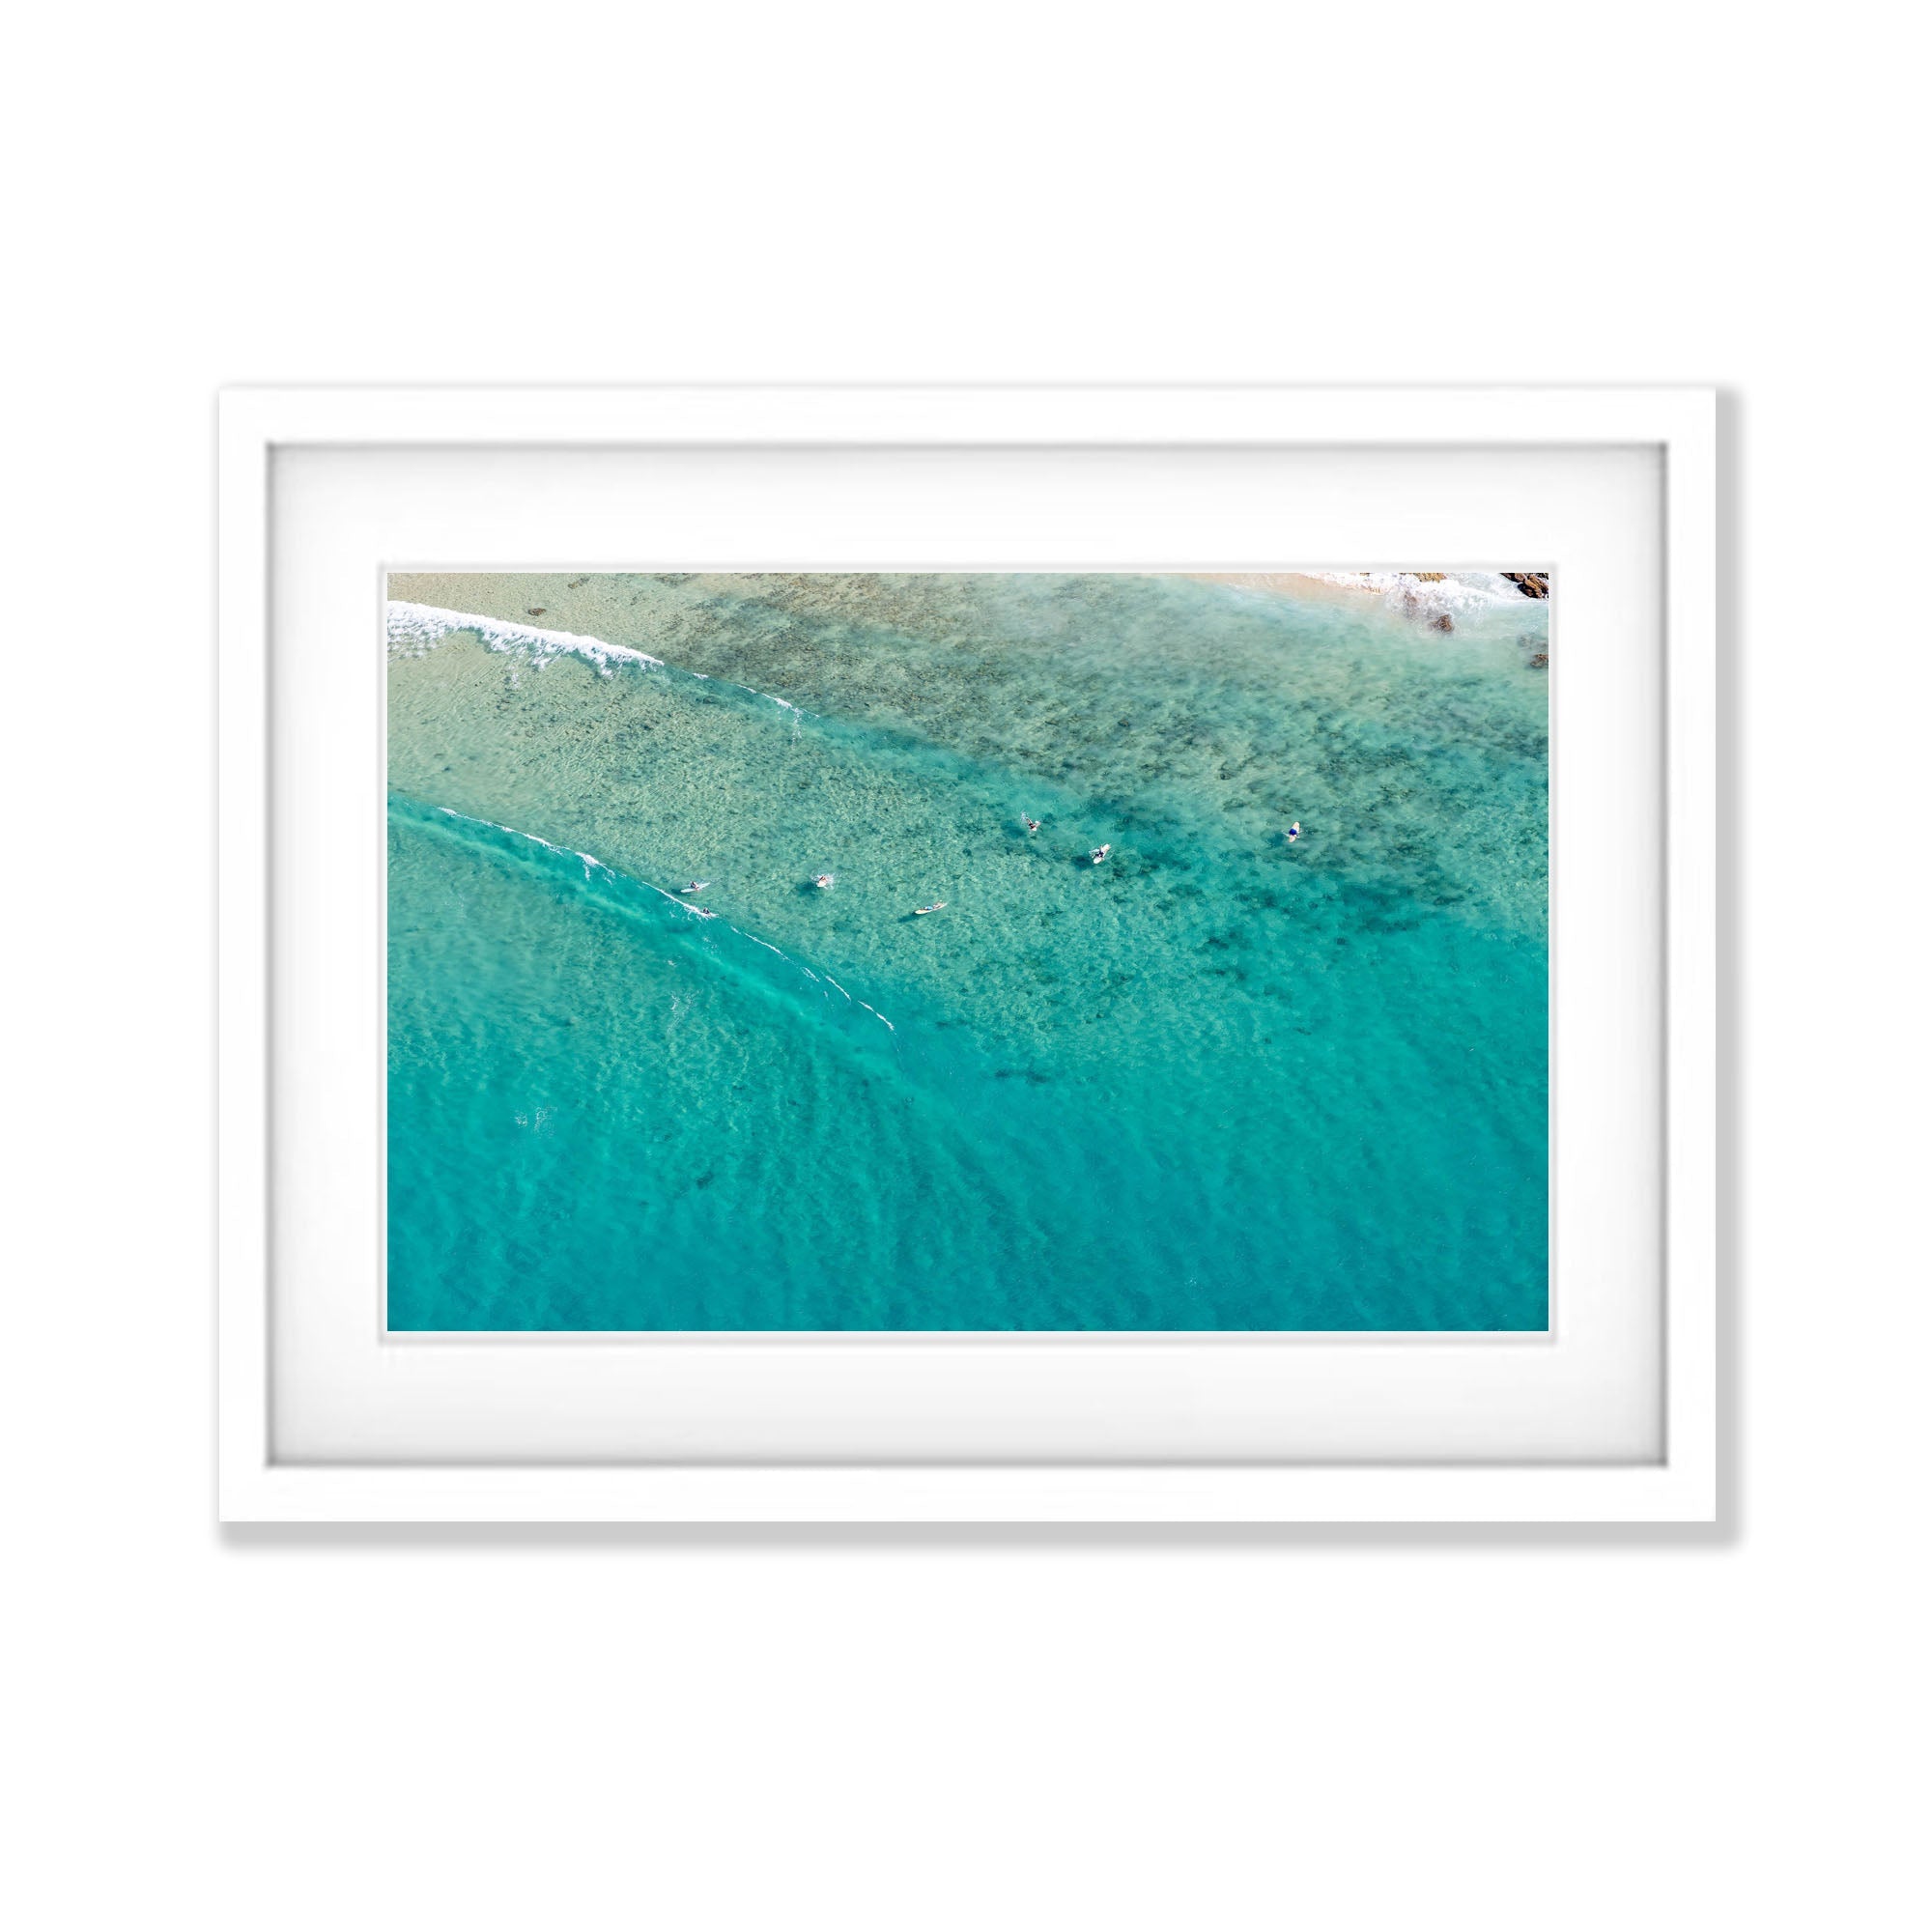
x=920, y=912
x=1032, y=824
x=823, y=881
x=1293, y=832
x=1098, y=854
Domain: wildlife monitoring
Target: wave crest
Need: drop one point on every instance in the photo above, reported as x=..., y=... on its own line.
x=621, y=892
x=415, y=629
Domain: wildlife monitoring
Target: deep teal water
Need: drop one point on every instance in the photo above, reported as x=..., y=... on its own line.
x=1220, y=1082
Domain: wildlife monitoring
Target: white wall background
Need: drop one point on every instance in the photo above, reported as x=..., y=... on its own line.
x=424, y=1730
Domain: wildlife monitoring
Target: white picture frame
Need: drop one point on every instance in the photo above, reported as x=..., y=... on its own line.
x=1673, y=428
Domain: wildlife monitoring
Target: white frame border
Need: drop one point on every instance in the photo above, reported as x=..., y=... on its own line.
x=1681, y=1489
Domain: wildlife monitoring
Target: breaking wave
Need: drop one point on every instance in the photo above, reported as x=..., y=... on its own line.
x=584, y=872
x=417, y=628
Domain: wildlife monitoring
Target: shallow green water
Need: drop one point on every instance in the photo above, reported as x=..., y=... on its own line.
x=1218, y=1082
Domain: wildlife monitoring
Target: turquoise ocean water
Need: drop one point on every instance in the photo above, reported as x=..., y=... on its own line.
x=1221, y=1081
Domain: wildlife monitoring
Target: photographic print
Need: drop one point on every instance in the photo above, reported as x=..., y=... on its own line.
x=968, y=952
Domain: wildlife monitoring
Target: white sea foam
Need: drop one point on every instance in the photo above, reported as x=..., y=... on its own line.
x=417, y=628
x=1419, y=597
x=512, y=832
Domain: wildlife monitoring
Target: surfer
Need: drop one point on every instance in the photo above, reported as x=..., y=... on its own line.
x=1098, y=853
x=823, y=882
x=696, y=886
x=1030, y=824
x=1293, y=832
x=704, y=912
x=938, y=905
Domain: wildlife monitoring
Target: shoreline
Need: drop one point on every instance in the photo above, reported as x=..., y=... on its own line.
x=1529, y=584
x=1431, y=597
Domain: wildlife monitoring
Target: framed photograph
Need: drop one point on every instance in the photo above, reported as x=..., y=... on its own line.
x=1061, y=954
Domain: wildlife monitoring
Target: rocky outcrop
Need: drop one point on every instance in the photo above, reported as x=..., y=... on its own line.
x=1531, y=582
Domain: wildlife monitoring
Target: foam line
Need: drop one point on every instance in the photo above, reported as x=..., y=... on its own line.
x=608, y=880
x=423, y=626
x=417, y=628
